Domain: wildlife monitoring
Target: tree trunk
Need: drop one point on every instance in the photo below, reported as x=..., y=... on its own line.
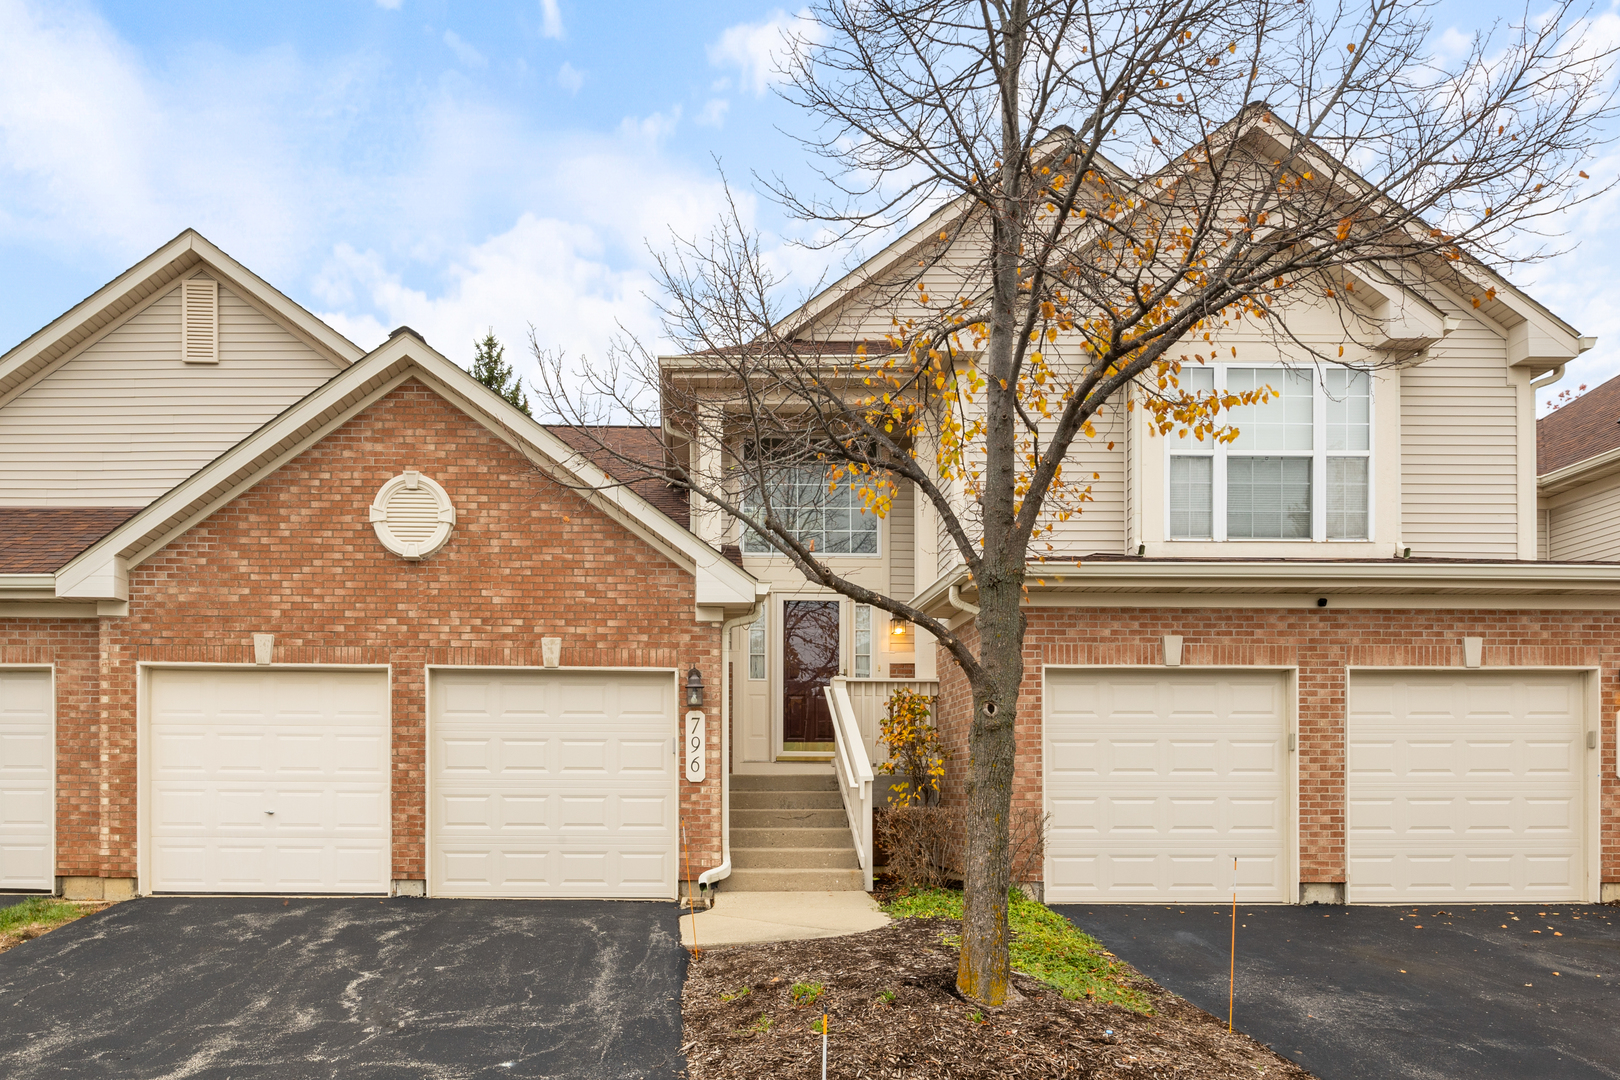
x=983, y=970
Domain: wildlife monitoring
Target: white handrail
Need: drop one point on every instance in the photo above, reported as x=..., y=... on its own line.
x=854, y=770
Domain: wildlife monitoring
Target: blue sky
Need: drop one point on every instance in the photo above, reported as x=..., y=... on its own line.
x=449, y=166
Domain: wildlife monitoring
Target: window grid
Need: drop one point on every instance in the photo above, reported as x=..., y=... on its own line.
x=863, y=641
x=832, y=522
x=756, y=648
x=1258, y=495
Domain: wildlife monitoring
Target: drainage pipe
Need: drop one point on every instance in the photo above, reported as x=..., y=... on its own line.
x=723, y=871
x=1551, y=377
x=960, y=604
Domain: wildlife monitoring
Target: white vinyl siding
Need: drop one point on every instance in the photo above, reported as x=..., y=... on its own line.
x=903, y=542
x=1157, y=781
x=27, y=794
x=125, y=420
x=1460, y=447
x=1584, y=524
x=552, y=784
x=1464, y=787
x=267, y=781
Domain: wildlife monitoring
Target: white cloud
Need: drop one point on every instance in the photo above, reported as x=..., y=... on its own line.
x=713, y=114
x=760, y=50
x=652, y=129
x=570, y=78
x=389, y=5
x=551, y=24
x=551, y=273
x=464, y=52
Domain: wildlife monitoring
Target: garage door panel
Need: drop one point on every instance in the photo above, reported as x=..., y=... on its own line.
x=570, y=791
x=1464, y=786
x=1157, y=780
x=269, y=781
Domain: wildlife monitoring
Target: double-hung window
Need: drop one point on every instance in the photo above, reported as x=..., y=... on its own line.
x=1298, y=469
x=831, y=522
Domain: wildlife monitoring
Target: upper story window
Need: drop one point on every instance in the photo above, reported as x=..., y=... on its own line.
x=1298, y=469
x=830, y=522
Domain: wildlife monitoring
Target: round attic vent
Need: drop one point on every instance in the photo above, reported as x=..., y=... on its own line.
x=412, y=515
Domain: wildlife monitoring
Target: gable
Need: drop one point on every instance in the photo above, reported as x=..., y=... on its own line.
x=124, y=419
x=303, y=533
x=102, y=571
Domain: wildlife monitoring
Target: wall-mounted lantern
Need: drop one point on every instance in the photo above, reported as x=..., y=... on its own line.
x=694, y=688
x=899, y=627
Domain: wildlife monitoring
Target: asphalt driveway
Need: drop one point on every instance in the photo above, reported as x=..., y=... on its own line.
x=1505, y=993
x=360, y=989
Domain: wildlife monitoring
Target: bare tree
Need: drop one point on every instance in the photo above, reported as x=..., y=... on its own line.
x=1088, y=197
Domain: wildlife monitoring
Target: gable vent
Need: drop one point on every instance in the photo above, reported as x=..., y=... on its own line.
x=199, y=321
x=412, y=515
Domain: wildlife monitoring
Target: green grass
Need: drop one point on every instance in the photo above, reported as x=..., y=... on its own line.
x=44, y=910
x=1044, y=945
x=740, y=992
x=806, y=993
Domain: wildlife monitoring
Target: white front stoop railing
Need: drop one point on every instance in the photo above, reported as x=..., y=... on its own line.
x=853, y=767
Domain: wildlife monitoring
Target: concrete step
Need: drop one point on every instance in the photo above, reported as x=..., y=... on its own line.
x=785, y=782
x=787, y=819
x=795, y=858
x=792, y=838
x=786, y=800
x=794, y=881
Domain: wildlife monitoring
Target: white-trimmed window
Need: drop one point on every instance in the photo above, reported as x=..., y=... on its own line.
x=1299, y=469
x=756, y=648
x=863, y=641
x=831, y=522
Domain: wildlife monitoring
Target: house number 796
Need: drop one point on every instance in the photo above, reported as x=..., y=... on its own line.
x=696, y=746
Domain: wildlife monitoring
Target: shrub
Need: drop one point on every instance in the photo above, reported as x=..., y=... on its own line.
x=924, y=844
x=914, y=749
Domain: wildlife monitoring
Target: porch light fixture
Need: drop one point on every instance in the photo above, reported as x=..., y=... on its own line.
x=898, y=628
x=694, y=688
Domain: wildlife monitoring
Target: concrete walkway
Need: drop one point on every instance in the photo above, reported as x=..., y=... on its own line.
x=743, y=918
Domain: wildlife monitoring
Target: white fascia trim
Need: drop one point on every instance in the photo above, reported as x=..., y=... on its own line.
x=251, y=285
x=27, y=586
x=104, y=578
x=719, y=582
x=319, y=334
x=1204, y=578
x=1583, y=471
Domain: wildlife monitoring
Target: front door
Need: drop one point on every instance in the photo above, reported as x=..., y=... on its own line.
x=809, y=662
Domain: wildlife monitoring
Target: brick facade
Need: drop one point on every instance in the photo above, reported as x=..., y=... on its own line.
x=1321, y=644
x=296, y=556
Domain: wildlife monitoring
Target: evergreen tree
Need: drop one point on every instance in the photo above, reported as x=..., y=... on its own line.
x=490, y=368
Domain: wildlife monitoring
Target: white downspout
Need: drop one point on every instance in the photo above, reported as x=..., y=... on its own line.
x=956, y=601
x=1551, y=377
x=723, y=871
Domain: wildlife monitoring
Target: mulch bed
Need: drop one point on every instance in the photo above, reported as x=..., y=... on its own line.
x=928, y=1030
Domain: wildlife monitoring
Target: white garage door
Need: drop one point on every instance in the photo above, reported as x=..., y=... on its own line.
x=548, y=784
x=1464, y=787
x=26, y=753
x=1157, y=781
x=266, y=781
